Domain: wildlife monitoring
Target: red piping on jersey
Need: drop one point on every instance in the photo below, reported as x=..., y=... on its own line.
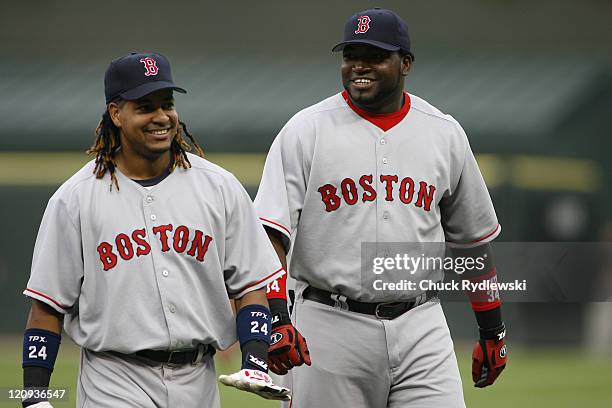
x=47, y=297
x=261, y=280
x=479, y=239
x=488, y=235
x=277, y=224
x=385, y=121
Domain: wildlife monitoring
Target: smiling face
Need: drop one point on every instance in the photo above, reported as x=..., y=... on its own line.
x=373, y=77
x=147, y=125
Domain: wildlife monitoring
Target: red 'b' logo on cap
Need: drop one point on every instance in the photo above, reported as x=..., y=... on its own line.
x=150, y=66
x=363, y=25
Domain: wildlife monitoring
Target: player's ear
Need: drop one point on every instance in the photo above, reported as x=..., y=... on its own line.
x=406, y=64
x=113, y=112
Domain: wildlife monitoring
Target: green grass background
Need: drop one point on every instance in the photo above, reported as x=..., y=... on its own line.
x=542, y=378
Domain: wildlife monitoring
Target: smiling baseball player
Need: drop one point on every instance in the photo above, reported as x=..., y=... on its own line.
x=377, y=164
x=139, y=254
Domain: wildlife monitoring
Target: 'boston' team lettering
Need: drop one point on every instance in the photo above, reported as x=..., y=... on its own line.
x=198, y=245
x=349, y=191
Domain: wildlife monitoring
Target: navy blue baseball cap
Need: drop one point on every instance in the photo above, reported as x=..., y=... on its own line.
x=378, y=27
x=137, y=74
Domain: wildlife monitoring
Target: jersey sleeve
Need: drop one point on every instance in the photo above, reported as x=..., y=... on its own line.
x=250, y=260
x=282, y=189
x=468, y=216
x=57, y=263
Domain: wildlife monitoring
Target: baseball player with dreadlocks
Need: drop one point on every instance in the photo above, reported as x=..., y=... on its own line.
x=376, y=164
x=138, y=255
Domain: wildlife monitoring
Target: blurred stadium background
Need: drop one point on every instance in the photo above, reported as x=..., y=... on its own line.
x=531, y=82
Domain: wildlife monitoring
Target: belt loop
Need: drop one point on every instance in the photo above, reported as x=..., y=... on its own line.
x=339, y=301
x=170, y=354
x=199, y=355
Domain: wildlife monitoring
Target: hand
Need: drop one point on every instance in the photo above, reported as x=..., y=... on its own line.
x=256, y=382
x=288, y=349
x=489, y=356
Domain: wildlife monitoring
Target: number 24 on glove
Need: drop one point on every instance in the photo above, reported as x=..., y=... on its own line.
x=489, y=356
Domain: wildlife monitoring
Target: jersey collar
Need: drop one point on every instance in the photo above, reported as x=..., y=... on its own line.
x=384, y=121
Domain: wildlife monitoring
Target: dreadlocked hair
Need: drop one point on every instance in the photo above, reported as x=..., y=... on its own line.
x=108, y=140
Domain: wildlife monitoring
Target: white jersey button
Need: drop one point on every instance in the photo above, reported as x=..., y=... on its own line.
x=153, y=217
x=383, y=142
x=384, y=160
x=149, y=199
x=165, y=272
x=172, y=308
x=386, y=215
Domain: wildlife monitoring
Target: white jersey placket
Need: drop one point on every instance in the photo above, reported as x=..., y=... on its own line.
x=161, y=271
x=383, y=213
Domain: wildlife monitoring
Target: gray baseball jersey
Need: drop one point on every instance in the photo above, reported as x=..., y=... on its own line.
x=140, y=268
x=333, y=180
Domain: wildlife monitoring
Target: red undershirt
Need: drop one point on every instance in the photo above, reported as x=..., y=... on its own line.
x=385, y=121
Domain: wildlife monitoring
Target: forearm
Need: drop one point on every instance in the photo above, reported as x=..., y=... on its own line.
x=288, y=348
x=41, y=345
x=489, y=356
x=489, y=319
x=254, y=327
x=484, y=270
x=277, y=290
x=44, y=317
x=277, y=242
x=256, y=297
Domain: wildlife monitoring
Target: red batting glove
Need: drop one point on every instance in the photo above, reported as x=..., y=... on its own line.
x=288, y=349
x=489, y=356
